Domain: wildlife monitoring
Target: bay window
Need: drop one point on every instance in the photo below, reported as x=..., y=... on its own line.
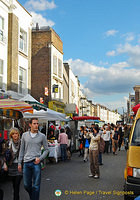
x=1, y=28
x=23, y=41
x=59, y=68
x=55, y=65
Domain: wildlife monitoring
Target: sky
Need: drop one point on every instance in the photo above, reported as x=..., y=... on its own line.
x=101, y=43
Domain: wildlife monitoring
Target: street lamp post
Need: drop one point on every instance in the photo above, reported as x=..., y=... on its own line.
x=123, y=114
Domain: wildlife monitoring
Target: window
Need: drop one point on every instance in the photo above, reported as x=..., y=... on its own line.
x=1, y=74
x=55, y=65
x=1, y=28
x=72, y=88
x=23, y=41
x=59, y=92
x=59, y=68
x=136, y=134
x=22, y=80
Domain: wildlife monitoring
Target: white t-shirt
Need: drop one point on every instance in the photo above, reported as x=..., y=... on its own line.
x=33, y=134
x=106, y=136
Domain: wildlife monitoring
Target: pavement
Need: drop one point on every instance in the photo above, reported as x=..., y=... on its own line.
x=70, y=180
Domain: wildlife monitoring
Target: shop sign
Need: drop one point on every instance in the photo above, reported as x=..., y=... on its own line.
x=46, y=91
x=41, y=100
x=55, y=88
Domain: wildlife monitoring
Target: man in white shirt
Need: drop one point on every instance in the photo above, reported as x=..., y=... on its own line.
x=106, y=137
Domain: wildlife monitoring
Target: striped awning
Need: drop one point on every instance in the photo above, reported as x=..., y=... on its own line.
x=79, y=118
x=11, y=113
x=10, y=106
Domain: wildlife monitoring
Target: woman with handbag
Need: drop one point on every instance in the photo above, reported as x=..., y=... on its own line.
x=94, y=153
x=3, y=166
x=81, y=139
x=86, y=145
x=16, y=176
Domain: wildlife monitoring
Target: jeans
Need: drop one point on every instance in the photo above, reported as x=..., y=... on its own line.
x=63, y=151
x=110, y=145
x=106, y=146
x=100, y=158
x=32, y=179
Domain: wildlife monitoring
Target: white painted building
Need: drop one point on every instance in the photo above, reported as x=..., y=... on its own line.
x=15, y=43
x=103, y=114
x=57, y=73
x=88, y=108
x=111, y=117
x=107, y=115
x=4, y=10
x=73, y=88
x=85, y=106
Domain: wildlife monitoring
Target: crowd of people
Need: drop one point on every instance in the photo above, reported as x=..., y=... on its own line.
x=22, y=156
x=114, y=137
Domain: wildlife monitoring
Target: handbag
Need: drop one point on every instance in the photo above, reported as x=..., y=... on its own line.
x=87, y=144
x=101, y=145
x=8, y=155
x=81, y=146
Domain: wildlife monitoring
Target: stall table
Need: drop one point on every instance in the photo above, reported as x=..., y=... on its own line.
x=54, y=151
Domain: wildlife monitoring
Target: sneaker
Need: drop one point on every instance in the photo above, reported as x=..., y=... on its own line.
x=90, y=175
x=96, y=176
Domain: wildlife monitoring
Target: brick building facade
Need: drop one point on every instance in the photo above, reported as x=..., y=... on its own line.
x=137, y=94
x=47, y=67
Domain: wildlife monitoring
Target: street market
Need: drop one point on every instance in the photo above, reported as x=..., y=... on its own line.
x=69, y=100
x=15, y=113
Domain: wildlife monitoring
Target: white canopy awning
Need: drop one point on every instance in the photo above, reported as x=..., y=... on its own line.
x=49, y=115
x=28, y=97
x=31, y=100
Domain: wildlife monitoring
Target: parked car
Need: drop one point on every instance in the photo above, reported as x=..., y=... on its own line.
x=132, y=170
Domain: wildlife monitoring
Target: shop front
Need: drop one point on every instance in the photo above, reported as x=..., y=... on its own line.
x=71, y=110
x=5, y=126
x=7, y=119
x=57, y=106
x=75, y=124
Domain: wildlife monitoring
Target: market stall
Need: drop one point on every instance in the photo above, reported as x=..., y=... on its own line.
x=49, y=115
x=10, y=111
x=75, y=124
x=45, y=116
x=54, y=150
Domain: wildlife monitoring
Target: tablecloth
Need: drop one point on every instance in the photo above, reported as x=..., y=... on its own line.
x=55, y=151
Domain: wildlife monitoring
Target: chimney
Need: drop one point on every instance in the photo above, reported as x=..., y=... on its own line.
x=37, y=26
